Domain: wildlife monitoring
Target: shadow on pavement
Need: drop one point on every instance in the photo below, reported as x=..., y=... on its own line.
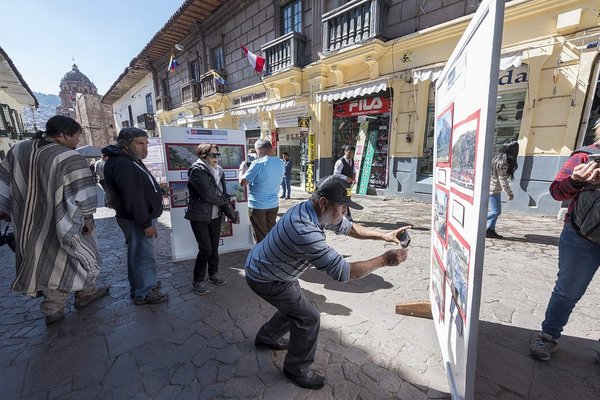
x=368, y=284
x=504, y=366
x=535, y=239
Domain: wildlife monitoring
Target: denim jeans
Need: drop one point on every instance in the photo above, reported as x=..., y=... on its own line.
x=578, y=261
x=494, y=210
x=141, y=264
x=286, y=186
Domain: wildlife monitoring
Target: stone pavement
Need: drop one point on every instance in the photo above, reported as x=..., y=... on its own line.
x=202, y=347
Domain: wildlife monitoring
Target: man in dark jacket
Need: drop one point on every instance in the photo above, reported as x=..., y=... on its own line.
x=344, y=168
x=137, y=199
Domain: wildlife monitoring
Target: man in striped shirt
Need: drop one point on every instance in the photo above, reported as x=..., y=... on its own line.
x=296, y=243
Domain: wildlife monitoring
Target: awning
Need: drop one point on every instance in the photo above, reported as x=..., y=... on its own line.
x=349, y=92
x=244, y=111
x=432, y=72
x=211, y=117
x=282, y=105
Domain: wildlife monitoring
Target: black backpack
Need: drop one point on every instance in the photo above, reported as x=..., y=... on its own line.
x=585, y=216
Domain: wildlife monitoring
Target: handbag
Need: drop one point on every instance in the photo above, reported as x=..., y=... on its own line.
x=229, y=211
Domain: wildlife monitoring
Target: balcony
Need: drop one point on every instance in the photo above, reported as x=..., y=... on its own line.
x=284, y=52
x=163, y=103
x=190, y=92
x=354, y=22
x=209, y=86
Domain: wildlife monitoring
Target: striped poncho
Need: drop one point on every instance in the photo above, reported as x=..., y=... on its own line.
x=47, y=188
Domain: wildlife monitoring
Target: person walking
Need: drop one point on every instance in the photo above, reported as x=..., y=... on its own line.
x=137, y=199
x=504, y=165
x=296, y=243
x=208, y=193
x=48, y=192
x=286, y=183
x=99, y=168
x=578, y=256
x=263, y=178
x=344, y=168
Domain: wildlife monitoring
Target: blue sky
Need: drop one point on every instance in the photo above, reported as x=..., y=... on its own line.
x=42, y=37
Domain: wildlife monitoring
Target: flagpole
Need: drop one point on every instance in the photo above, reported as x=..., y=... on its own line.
x=263, y=83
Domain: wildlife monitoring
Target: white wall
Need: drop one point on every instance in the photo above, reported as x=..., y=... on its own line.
x=136, y=98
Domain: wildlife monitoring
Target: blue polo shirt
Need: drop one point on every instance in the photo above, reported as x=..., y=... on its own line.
x=294, y=244
x=264, y=179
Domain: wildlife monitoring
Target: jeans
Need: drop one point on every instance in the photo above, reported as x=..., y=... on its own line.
x=494, y=210
x=286, y=186
x=207, y=236
x=296, y=314
x=141, y=264
x=262, y=221
x=578, y=261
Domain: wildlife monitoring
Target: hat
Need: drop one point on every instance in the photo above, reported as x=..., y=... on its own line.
x=338, y=190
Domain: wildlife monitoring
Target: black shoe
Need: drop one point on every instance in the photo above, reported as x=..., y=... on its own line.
x=282, y=197
x=217, y=280
x=279, y=344
x=132, y=294
x=154, y=296
x=491, y=234
x=311, y=380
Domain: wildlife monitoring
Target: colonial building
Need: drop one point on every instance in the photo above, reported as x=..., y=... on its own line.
x=14, y=95
x=80, y=101
x=372, y=64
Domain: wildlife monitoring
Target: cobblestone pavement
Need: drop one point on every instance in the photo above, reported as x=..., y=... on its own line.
x=202, y=347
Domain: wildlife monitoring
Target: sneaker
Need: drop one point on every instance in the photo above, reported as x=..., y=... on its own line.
x=154, y=296
x=200, y=288
x=132, y=292
x=83, y=301
x=542, y=347
x=492, y=234
x=217, y=280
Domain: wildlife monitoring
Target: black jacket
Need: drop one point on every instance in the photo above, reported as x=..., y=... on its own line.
x=134, y=193
x=204, y=193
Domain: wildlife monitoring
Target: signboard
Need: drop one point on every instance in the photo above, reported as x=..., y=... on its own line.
x=179, y=155
x=371, y=105
x=359, y=151
x=155, y=160
x=463, y=141
x=365, y=174
x=288, y=117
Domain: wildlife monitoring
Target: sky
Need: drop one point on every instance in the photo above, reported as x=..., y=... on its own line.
x=42, y=37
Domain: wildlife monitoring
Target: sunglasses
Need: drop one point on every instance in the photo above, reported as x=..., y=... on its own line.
x=213, y=155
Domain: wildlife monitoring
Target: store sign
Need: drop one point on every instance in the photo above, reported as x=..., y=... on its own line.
x=288, y=118
x=373, y=105
x=312, y=148
x=514, y=78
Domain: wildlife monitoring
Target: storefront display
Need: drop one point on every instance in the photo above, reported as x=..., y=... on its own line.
x=347, y=118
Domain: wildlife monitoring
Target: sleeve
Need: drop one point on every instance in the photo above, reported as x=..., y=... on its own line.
x=324, y=258
x=252, y=172
x=201, y=183
x=503, y=178
x=563, y=187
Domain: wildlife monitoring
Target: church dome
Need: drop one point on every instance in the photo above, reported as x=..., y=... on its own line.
x=75, y=75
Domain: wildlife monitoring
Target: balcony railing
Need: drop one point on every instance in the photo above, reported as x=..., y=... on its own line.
x=284, y=52
x=354, y=22
x=209, y=86
x=163, y=103
x=191, y=92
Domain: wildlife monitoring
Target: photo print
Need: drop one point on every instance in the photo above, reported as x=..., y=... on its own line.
x=226, y=228
x=438, y=284
x=179, y=194
x=235, y=189
x=231, y=155
x=457, y=269
x=180, y=155
x=464, y=151
x=440, y=213
x=443, y=136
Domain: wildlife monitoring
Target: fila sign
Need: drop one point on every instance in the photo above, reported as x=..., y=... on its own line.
x=372, y=105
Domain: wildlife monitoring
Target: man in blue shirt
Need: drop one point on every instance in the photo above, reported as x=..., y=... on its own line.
x=263, y=178
x=296, y=243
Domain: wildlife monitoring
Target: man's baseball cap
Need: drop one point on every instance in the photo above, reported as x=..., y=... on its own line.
x=337, y=190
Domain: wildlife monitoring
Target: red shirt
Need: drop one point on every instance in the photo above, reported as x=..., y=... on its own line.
x=565, y=188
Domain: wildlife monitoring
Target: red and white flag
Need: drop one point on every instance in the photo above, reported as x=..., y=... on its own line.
x=257, y=62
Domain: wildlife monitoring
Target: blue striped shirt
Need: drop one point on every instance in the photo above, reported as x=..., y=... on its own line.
x=295, y=243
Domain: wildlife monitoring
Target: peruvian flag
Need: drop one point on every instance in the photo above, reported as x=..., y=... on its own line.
x=257, y=62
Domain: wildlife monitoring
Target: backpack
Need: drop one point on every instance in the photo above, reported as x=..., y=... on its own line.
x=585, y=216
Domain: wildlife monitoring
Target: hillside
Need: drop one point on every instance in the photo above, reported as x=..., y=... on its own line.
x=47, y=109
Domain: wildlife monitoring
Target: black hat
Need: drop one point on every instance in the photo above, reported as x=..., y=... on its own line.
x=337, y=190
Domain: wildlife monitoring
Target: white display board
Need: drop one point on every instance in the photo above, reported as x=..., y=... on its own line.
x=180, y=153
x=464, y=131
x=155, y=161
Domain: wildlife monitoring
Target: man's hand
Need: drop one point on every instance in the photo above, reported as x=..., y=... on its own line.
x=394, y=236
x=151, y=232
x=395, y=257
x=511, y=196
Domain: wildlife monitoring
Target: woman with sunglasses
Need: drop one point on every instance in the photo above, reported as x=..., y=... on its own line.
x=208, y=195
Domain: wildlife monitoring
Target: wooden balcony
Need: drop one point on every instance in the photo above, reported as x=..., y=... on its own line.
x=163, y=103
x=209, y=86
x=284, y=52
x=191, y=92
x=354, y=22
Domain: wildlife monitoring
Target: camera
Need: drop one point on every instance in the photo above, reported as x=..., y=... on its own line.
x=594, y=157
x=250, y=158
x=404, y=239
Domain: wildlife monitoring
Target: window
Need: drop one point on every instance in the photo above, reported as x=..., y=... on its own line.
x=426, y=163
x=218, y=62
x=291, y=17
x=149, y=105
x=164, y=87
x=195, y=71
